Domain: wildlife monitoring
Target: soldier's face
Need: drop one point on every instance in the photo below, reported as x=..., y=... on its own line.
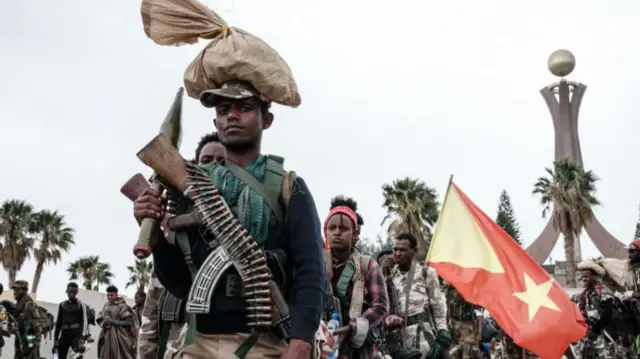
x=71, y=293
x=211, y=152
x=18, y=293
x=111, y=296
x=240, y=123
x=588, y=279
x=340, y=232
x=402, y=252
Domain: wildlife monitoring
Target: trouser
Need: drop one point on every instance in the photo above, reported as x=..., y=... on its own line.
x=69, y=340
x=21, y=350
x=176, y=338
x=597, y=348
x=417, y=338
x=223, y=346
x=466, y=333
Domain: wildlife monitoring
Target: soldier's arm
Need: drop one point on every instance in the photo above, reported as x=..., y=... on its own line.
x=605, y=309
x=56, y=333
x=305, y=245
x=171, y=268
x=437, y=300
x=34, y=317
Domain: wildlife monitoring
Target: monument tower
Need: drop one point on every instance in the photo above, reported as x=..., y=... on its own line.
x=563, y=99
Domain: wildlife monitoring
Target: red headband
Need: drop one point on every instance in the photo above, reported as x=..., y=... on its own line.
x=341, y=210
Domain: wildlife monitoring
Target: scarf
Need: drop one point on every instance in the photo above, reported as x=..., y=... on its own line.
x=249, y=208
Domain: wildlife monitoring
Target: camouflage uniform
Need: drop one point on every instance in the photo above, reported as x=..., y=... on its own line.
x=28, y=318
x=464, y=325
x=149, y=335
x=626, y=346
x=590, y=304
x=425, y=298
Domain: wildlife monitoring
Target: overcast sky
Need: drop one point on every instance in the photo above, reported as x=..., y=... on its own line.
x=389, y=89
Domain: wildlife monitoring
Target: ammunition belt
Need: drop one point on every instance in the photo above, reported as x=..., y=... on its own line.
x=171, y=310
x=235, y=247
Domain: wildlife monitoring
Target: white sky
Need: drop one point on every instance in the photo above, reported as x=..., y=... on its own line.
x=389, y=89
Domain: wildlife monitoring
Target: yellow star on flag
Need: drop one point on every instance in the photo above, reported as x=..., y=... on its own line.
x=536, y=296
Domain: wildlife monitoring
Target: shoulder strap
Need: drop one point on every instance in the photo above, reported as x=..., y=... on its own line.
x=267, y=190
x=407, y=290
x=345, y=278
x=357, y=295
x=183, y=242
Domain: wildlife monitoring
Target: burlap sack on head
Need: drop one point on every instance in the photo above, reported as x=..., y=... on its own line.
x=232, y=54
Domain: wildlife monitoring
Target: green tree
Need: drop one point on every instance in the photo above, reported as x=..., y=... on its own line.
x=54, y=238
x=93, y=272
x=16, y=229
x=139, y=274
x=568, y=193
x=638, y=226
x=506, y=217
x=371, y=247
x=412, y=207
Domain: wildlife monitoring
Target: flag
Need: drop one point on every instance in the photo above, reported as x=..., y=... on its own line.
x=488, y=268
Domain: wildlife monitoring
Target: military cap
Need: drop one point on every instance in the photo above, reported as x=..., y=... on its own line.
x=236, y=90
x=20, y=284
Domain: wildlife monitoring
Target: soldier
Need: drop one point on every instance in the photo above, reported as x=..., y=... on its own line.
x=423, y=305
x=394, y=332
x=356, y=280
x=241, y=115
x=159, y=336
x=27, y=342
x=596, y=304
x=464, y=325
x=72, y=324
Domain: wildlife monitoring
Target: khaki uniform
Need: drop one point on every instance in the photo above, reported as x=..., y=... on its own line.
x=149, y=334
x=463, y=324
x=425, y=297
x=590, y=306
x=27, y=315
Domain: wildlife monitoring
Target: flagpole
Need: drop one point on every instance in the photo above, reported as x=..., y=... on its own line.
x=444, y=202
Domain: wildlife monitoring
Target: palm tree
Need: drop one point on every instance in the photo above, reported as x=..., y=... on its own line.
x=16, y=226
x=93, y=272
x=412, y=207
x=139, y=274
x=570, y=190
x=54, y=239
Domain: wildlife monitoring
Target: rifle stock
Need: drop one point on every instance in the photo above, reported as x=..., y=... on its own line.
x=171, y=130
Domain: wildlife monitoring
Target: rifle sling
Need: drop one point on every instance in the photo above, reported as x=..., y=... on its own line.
x=268, y=195
x=407, y=290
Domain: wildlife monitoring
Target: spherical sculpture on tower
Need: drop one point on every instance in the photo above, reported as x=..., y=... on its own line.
x=561, y=63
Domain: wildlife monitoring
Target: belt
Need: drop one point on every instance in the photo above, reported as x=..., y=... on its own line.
x=71, y=326
x=415, y=319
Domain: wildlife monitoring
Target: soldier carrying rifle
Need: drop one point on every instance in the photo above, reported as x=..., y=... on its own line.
x=423, y=304
x=239, y=282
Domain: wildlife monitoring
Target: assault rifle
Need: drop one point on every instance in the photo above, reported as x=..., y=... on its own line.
x=236, y=247
x=171, y=128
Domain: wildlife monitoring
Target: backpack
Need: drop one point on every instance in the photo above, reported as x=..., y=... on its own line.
x=46, y=321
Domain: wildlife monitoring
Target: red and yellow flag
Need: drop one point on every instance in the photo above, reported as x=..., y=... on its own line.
x=488, y=268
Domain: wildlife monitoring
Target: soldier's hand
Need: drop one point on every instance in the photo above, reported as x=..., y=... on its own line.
x=393, y=321
x=149, y=205
x=298, y=349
